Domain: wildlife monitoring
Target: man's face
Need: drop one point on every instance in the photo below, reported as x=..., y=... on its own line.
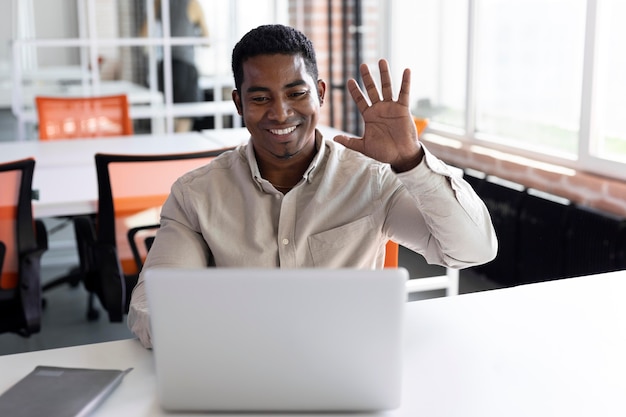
x=280, y=105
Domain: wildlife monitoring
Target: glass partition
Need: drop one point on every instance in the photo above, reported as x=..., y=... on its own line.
x=94, y=47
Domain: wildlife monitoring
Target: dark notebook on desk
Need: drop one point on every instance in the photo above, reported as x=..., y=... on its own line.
x=266, y=340
x=59, y=392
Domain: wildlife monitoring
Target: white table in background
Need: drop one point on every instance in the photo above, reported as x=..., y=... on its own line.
x=540, y=350
x=65, y=171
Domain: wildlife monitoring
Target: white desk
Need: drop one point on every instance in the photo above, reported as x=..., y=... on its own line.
x=39, y=76
x=65, y=172
x=550, y=349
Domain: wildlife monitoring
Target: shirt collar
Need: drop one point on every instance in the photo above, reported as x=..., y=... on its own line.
x=317, y=160
x=308, y=174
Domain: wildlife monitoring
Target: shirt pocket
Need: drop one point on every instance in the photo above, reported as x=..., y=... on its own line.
x=345, y=246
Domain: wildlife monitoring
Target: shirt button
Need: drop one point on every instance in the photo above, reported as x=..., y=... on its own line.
x=278, y=196
x=285, y=241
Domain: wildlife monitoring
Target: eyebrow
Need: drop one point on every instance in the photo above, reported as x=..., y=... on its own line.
x=254, y=89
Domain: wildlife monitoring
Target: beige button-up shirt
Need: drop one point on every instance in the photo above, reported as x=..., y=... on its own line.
x=341, y=214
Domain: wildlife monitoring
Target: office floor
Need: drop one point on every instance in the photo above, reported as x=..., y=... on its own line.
x=64, y=321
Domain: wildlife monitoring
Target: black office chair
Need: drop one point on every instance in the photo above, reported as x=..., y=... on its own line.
x=23, y=241
x=3, y=251
x=128, y=185
x=140, y=242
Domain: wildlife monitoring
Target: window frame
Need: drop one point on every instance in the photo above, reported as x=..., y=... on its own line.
x=585, y=159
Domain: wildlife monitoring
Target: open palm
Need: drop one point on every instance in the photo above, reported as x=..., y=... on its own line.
x=390, y=135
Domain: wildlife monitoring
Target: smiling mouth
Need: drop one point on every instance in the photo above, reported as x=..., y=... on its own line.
x=283, y=131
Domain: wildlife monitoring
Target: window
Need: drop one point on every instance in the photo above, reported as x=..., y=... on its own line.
x=528, y=72
x=436, y=51
x=541, y=78
x=609, y=132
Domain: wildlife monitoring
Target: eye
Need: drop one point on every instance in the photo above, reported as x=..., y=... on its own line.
x=299, y=93
x=259, y=99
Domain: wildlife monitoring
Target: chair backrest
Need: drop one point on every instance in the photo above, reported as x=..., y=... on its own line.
x=391, y=254
x=420, y=124
x=83, y=117
x=20, y=286
x=15, y=216
x=131, y=191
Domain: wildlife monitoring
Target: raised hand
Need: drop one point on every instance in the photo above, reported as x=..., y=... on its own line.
x=390, y=135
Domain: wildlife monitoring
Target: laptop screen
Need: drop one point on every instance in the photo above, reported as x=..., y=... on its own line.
x=277, y=339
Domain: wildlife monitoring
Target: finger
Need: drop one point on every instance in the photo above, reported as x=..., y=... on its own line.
x=357, y=95
x=356, y=144
x=405, y=88
x=369, y=84
x=385, y=80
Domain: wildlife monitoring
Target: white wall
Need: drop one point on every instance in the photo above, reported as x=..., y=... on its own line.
x=56, y=19
x=6, y=28
x=52, y=19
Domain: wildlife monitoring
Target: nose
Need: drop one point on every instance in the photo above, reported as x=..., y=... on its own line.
x=280, y=110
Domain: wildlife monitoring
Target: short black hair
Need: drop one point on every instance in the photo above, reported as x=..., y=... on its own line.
x=269, y=40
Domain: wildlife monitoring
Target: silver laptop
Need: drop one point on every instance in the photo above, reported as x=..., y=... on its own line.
x=261, y=340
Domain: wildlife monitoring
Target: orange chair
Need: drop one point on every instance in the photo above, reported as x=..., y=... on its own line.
x=421, y=124
x=22, y=242
x=391, y=254
x=83, y=117
x=448, y=282
x=131, y=191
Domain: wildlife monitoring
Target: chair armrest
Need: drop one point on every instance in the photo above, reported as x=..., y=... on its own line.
x=41, y=235
x=133, y=243
x=3, y=251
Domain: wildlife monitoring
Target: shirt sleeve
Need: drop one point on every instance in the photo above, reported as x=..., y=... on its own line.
x=138, y=316
x=178, y=243
x=460, y=231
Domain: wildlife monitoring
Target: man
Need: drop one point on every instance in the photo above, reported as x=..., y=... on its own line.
x=289, y=198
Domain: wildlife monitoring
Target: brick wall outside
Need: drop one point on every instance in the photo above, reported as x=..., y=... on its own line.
x=605, y=194
x=312, y=17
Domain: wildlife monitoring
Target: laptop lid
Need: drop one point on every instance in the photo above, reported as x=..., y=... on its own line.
x=277, y=339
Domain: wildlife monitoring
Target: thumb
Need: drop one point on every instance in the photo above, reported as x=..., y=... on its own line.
x=356, y=144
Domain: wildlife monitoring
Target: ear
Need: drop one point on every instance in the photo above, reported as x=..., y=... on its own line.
x=321, y=90
x=237, y=101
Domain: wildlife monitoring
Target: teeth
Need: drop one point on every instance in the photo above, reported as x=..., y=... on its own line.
x=283, y=131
